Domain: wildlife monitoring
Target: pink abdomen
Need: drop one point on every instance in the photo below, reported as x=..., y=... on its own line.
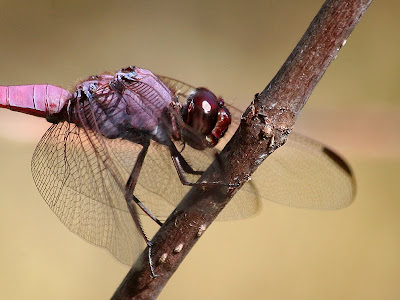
x=38, y=99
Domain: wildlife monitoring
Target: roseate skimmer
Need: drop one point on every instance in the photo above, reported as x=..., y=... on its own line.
x=113, y=127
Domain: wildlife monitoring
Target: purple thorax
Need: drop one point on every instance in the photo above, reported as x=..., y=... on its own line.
x=128, y=105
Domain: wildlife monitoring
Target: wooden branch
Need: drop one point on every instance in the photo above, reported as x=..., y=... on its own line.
x=264, y=127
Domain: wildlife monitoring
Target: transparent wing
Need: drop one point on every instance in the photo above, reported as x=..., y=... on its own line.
x=177, y=87
x=159, y=187
x=302, y=173
x=305, y=173
x=76, y=175
x=81, y=175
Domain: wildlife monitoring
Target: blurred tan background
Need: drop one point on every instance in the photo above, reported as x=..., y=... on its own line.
x=235, y=48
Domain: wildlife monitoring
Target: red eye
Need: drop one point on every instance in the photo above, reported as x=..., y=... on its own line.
x=202, y=111
x=222, y=125
x=207, y=116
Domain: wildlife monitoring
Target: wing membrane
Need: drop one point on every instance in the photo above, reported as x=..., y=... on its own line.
x=74, y=172
x=159, y=187
x=302, y=173
x=82, y=175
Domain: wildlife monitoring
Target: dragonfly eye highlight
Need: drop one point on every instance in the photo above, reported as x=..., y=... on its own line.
x=207, y=115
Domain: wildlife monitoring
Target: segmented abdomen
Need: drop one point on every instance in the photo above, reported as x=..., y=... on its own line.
x=40, y=100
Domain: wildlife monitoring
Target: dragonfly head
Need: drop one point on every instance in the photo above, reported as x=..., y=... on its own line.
x=206, y=115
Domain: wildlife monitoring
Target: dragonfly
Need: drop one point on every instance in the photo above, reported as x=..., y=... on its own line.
x=125, y=145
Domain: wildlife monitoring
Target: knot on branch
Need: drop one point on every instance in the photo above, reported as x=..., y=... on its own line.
x=269, y=127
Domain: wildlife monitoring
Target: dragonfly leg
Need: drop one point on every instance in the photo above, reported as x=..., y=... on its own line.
x=182, y=166
x=131, y=184
x=147, y=211
x=150, y=245
x=138, y=223
x=186, y=167
x=130, y=198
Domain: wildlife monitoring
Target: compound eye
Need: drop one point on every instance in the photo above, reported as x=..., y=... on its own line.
x=201, y=112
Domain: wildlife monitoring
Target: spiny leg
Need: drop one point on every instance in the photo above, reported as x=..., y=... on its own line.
x=182, y=166
x=130, y=186
x=185, y=166
x=136, y=219
x=132, y=181
x=146, y=210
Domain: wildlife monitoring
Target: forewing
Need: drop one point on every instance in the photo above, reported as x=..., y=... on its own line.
x=156, y=185
x=76, y=175
x=159, y=187
x=178, y=88
x=304, y=173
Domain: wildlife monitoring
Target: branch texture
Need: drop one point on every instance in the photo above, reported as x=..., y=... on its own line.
x=264, y=127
